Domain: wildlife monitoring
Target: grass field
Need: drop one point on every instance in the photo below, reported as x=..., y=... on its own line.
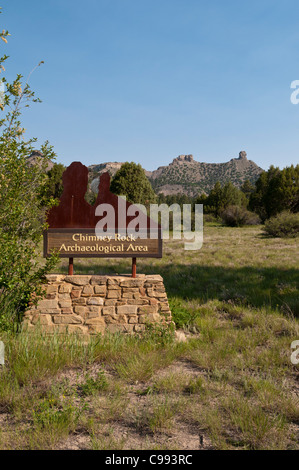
x=229, y=385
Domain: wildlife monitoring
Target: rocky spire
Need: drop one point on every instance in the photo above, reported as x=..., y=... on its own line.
x=242, y=155
x=184, y=159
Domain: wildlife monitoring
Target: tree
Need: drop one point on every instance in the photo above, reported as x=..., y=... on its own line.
x=130, y=181
x=232, y=196
x=288, y=189
x=21, y=212
x=276, y=191
x=214, y=199
x=53, y=187
x=222, y=197
x=247, y=188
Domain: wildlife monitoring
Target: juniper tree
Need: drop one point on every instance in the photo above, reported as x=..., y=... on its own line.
x=130, y=181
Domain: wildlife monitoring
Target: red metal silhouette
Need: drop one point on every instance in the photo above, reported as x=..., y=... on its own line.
x=74, y=212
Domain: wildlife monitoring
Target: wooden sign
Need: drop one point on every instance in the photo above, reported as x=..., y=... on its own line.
x=83, y=243
x=72, y=224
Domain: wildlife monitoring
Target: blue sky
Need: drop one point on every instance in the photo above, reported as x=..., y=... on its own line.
x=147, y=80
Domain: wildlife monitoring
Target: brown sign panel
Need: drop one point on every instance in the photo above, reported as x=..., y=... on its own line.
x=83, y=243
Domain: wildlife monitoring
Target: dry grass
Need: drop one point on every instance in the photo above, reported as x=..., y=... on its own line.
x=231, y=385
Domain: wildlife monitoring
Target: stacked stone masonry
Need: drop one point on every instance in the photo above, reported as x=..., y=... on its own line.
x=95, y=304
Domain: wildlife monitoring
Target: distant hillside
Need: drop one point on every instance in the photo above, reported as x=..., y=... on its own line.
x=187, y=176
x=35, y=157
x=96, y=170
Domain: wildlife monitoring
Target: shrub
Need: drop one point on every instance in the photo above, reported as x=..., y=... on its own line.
x=285, y=224
x=21, y=211
x=209, y=218
x=236, y=216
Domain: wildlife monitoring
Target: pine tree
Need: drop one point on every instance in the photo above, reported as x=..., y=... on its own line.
x=275, y=191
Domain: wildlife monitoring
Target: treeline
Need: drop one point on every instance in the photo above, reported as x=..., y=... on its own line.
x=226, y=203
x=275, y=192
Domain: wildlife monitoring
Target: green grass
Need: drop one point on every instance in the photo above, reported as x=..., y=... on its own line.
x=231, y=382
x=92, y=386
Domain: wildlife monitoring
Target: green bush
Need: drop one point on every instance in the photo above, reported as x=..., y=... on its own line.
x=210, y=218
x=285, y=224
x=22, y=213
x=236, y=216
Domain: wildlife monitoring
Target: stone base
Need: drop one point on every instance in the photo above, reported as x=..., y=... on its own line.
x=95, y=304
